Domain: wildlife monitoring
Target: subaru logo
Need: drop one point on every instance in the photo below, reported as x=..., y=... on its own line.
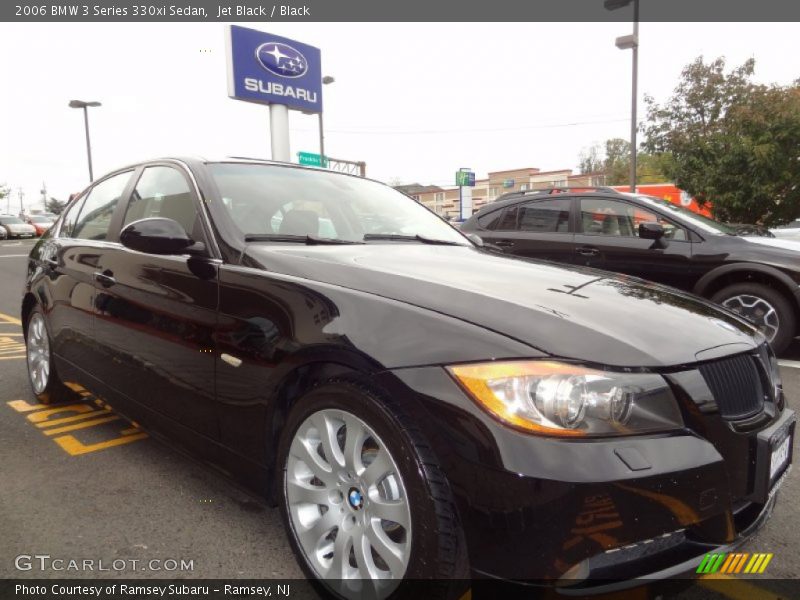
x=355, y=498
x=281, y=59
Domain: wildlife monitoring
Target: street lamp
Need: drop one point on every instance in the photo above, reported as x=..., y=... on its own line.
x=630, y=42
x=84, y=106
x=325, y=81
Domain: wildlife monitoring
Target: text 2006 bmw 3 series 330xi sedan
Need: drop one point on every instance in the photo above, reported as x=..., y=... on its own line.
x=417, y=406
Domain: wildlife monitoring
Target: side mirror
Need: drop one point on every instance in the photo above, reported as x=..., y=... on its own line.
x=651, y=231
x=156, y=236
x=475, y=239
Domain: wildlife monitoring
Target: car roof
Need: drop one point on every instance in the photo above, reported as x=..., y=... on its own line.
x=514, y=197
x=197, y=162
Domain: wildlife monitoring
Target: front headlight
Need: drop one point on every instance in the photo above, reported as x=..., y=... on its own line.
x=563, y=399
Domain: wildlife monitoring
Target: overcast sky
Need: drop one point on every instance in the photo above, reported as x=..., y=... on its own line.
x=415, y=101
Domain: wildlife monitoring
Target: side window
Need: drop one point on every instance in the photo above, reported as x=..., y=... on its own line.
x=508, y=222
x=70, y=217
x=163, y=192
x=545, y=216
x=601, y=216
x=490, y=220
x=95, y=214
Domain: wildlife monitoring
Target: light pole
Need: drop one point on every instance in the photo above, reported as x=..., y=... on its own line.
x=630, y=42
x=85, y=106
x=325, y=81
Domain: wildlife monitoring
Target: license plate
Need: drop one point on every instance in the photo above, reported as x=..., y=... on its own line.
x=779, y=457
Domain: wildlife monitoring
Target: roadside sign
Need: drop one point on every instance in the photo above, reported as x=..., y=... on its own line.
x=311, y=159
x=465, y=178
x=269, y=69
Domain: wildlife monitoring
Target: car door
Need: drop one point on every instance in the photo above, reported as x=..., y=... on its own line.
x=156, y=314
x=536, y=229
x=608, y=238
x=70, y=260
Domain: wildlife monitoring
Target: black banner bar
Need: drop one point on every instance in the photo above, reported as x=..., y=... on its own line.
x=541, y=11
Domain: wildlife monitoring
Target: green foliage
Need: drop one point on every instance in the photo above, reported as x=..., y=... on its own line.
x=613, y=159
x=731, y=142
x=590, y=160
x=55, y=206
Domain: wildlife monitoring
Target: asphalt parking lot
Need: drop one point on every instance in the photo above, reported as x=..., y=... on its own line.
x=89, y=485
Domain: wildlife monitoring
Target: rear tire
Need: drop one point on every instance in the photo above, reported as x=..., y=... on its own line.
x=45, y=382
x=410, y=483
x=765, y=307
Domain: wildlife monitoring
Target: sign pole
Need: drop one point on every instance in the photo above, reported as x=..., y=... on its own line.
x=279, y=132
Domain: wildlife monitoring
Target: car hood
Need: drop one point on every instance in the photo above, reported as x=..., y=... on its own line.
x=569, y=312
x=783, y=244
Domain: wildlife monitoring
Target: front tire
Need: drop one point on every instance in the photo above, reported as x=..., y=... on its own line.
x=45, y=383
x=765, y=307
x=365, y=503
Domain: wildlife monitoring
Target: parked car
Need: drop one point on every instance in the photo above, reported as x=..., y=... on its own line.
x=3, y=233
x=745, y=229
x=789, y=230
x=420, y=408
x=40, y=224
x=16, y=227
x=654, y=239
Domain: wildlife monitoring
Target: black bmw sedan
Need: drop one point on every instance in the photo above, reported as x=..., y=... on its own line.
x=418, y=407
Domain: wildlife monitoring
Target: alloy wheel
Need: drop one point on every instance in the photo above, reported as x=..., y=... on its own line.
x=348, y=504
x=757, y=310
x=38, y=353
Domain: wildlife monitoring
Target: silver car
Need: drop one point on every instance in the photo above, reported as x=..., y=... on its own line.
x=790, y=230
x=16, y=227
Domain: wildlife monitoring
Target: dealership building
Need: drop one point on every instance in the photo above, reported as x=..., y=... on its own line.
x=444, y=201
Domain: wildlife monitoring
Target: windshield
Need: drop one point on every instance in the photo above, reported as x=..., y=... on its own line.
x=10, y=220
x=271, y=200
x=703, y=223
x=40, y=220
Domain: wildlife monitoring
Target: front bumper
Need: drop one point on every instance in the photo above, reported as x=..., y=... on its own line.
x=591, y=516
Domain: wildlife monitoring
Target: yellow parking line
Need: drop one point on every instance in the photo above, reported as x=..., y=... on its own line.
x=83, y=425
x=23, y=406
x=736, y=589
x=75, y=448
x=12, y=357
x=10, y=319
x=49, y=422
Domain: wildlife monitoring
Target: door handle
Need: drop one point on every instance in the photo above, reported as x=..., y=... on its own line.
x=105, y=278
x=503, y=243
x=587, y=251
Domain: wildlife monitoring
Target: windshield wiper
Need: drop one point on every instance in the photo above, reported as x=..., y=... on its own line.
x=296, y=239
x=409, y=238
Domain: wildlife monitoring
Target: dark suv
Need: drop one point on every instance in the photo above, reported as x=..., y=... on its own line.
x=645, y=236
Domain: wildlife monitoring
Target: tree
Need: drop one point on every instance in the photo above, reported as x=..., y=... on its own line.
x=731, y=142
x=55, y=206
x=4, y=191
x=613, y=159
x=591, y=160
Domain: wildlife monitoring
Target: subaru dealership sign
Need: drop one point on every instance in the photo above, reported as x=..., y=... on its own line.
x=270, y=69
